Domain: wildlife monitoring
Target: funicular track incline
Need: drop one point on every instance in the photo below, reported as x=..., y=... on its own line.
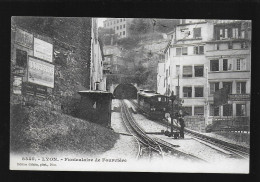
x=139, y=134
x=155, y=144
x=238, y=150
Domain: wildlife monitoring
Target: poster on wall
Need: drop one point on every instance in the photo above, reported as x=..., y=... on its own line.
x=24, y=38
x=43, y=50
x=17, y=85
x=40, y=72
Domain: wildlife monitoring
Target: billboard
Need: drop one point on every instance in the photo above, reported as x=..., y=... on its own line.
x=24, y=38
x=43, y=50
x=239, y=97
x=40, y=72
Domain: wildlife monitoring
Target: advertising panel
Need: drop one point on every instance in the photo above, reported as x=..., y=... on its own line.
x=40, y=72
x=24, y=38
x=239, y=97
x=43, y=50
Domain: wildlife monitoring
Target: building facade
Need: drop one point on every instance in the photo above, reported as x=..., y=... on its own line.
x=97, y=79
x=120, y=25
x=229, y=63
x=203, y=57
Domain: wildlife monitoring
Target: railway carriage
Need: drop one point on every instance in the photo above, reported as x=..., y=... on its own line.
x=152, y=104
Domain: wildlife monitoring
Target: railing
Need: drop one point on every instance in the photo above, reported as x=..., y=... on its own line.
x=231, y=124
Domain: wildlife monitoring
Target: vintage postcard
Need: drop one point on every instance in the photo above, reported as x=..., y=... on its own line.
x=130, y=94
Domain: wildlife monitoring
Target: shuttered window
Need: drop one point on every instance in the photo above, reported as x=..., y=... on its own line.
x=178, y=51
x=196, y=32
x=187, y=71
x=185, y=51
x=199, y=110
x=214, y=87
x=214, y=65
x=199, y=71
x=225, y=64
x=198, y=91
x=187, y=91
x=241, y=87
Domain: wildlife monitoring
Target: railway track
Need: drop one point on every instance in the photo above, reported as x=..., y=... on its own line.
x=236, y=150
x=153, y=144
x=146, y=144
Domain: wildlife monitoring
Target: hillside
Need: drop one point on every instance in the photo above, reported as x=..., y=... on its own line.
x=36, y=130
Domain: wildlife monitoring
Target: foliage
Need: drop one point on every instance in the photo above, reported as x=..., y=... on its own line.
x=35, y=129
x=107, y=36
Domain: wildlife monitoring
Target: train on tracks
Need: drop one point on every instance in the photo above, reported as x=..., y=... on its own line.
x=154, y=105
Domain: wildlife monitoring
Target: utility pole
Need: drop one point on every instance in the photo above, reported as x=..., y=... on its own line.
x=173, y=97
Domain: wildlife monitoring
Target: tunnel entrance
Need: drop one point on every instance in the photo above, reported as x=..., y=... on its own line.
x=125, y=91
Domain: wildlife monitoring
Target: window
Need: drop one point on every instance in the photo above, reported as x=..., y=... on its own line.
x=178, y=51
x=244, y=45
x=221, y=33
x=187, y=110
x=214, y=110
x=226, y=33
x=213, y=87
x=198, y=50
x=123, y=32
x=199, y=71
x=216, y=46
x=120, y=20
x=124, y=26
x=225, y=64
x=214, y=65
x=187, y=71
x=240, y=109
x=185, y=51
x=241, y=64
x=196, y=32
x=198, y=91
x=117, y=27
x=120, y=26
x=187, y=91
x=227, y=110
x=21, y=58
x=120, y=33
x=235, y=32
x=241, y=87
x=198, y=110
x=117, y=21
x=230, y=45
x=228, y=86
x=177, y=70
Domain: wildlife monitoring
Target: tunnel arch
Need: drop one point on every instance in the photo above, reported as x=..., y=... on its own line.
x=125, y=91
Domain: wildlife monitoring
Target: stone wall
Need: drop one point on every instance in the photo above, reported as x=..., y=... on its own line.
x=196, y=123
x=70, y=73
